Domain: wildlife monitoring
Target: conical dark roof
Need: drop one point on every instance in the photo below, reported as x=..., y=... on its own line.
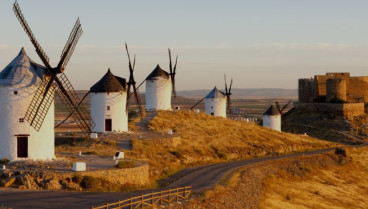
x=158, y=72
x=109, y=83
x=215, y=93
x=272, y=111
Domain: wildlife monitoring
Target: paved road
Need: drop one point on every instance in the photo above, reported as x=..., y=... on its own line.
x=200, y=178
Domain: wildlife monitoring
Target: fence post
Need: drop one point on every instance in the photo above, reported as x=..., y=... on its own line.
x=169, y=196
x=191, y=190
x=107, y=205
x=142, y=201
x=152, y=199
x=131, y=202
x=160, y=197
x=185, y=193
x=119, y=203
x=177, y=194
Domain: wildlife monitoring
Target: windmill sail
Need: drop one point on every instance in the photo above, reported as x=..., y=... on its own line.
x=41, y=102
x=131, y=84
x=44, y=95
x=228, y=94
x=72, y=102
x=173, y=73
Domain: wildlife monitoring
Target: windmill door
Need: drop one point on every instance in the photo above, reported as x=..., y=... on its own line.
x=108, y=125
x=22, y=145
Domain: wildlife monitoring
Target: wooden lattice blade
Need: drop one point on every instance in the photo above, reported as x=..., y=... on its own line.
x=70, y=99
x=41, y=102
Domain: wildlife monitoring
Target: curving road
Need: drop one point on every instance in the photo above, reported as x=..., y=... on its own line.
x=200, y=178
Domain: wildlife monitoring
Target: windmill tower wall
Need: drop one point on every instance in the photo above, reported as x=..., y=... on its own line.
x=19, y=140
x=272, y=121
x=109, y=105
x=158, y=94
x=216, y=107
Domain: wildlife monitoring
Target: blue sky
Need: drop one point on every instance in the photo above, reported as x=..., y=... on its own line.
x=261, y=44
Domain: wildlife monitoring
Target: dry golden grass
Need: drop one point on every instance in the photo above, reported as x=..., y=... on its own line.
x=343, y=186
x=207, y=139
x=225, y=135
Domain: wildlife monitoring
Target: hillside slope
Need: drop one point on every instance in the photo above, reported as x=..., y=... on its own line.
x=206, y=139
x=347, y=130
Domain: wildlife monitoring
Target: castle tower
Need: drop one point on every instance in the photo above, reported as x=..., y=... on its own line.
x=272, y=119
x=18, y=140
x=158, y=90
x=335, y=89
x=108, y=104
x=215, y=103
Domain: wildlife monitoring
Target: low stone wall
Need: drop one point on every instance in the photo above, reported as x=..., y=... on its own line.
x=338, y=109
x=137, y=175
x=45, y=179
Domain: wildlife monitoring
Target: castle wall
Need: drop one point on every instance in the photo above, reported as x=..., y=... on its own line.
x=305, y=89
x=335, y=89
x=320, y=87
x=338, y=109
x=357, y=90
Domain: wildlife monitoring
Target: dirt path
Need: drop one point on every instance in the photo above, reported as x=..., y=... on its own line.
x=200, y=178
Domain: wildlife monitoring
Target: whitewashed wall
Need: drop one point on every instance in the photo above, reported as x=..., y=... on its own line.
x=117, y=112
x=158, y=94
x=12, y=107
x=272, y=121
x=216, y=106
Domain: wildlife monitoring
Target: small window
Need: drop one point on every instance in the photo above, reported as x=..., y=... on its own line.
x=15, y=92
x=212, y=113
x=211, y=107
x=108, y=107
x=21, y=120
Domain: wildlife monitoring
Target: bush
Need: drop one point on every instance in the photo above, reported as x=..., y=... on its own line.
x=4, y=161
x=77, y=178
x=340, y=151
x=337, y=100
x=177, y=154
x=222, y=155
x=90, y=182
x=124, y=164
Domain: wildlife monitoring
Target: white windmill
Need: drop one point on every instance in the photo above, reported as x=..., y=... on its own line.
x=159, y=87
x=18, y=85
x=27, y=100
x=216, y=101
x=108, y=104
x=272, y=118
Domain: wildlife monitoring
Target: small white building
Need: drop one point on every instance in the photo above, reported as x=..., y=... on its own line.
x=18, y=140
x=272, y=119
x=158, y=90
x=108, y=104
x=215, y=103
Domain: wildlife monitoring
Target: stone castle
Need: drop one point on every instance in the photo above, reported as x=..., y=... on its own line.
x=338, y=93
